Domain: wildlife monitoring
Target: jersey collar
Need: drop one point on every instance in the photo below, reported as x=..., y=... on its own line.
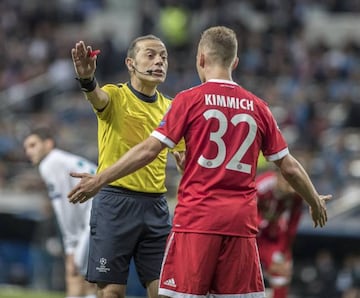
x=142, y=96
x=221, y=81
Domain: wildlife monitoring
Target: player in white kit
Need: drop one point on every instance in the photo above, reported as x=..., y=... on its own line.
x=73, y=220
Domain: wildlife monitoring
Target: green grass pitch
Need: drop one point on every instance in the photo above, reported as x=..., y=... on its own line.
x=9, y=292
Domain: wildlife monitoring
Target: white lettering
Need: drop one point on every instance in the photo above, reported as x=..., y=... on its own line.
x=220, y=100
x=208, y=99
x=229, y=102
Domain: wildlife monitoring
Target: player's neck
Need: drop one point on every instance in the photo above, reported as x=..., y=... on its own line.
x=218, y=74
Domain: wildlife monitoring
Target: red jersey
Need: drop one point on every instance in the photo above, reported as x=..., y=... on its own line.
x=224, y=127
x=279, y=215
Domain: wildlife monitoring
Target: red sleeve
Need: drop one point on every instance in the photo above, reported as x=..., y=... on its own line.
x=274, y=142
x=173, y=123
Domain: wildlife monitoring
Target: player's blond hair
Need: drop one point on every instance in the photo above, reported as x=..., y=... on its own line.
x=221, y=45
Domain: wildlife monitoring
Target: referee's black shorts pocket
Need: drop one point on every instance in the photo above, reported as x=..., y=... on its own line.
x=161, y=207
x=93, y=216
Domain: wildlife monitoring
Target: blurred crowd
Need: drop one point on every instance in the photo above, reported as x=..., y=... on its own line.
x=327, y=275
x=311, y=85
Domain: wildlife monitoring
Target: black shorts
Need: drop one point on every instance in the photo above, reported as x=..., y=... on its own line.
x=126, y=224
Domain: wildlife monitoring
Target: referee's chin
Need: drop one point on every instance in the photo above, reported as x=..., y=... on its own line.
x=159, y=80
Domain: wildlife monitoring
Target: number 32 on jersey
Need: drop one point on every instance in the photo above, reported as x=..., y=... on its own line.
x=217, y=137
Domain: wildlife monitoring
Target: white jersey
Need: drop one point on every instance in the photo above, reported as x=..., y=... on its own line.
x=73, y=219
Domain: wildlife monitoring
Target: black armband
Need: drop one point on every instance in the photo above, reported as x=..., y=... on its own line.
x=87, y=85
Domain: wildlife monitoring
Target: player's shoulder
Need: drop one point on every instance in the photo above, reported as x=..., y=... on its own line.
x=56, y=157
x=51, y=162
x=249, y=94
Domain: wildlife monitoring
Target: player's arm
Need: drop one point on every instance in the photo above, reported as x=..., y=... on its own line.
x=85, y=66
x=296, y=175
x=136, y=158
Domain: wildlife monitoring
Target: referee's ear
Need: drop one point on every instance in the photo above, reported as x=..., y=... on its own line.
x=129, y=64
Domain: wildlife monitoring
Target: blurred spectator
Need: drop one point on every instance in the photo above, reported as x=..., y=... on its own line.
x=280, y=210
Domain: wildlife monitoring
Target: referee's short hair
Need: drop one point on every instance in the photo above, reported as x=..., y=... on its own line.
x=131, y=52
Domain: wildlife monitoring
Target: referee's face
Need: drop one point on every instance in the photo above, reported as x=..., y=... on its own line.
x=36, y=148
x=151, y=61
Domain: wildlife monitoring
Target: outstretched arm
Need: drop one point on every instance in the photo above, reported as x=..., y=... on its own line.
x=85, y=65
x=136, y=158
x=297, y=177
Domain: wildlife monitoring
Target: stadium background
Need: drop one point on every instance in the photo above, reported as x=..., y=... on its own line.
x=301, y=56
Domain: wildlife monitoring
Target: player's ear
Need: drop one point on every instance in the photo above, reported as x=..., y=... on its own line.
x=50, y=144
x=235, y=63
x=202, y=60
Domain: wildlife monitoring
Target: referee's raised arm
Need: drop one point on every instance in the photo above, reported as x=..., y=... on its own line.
x=84, y=60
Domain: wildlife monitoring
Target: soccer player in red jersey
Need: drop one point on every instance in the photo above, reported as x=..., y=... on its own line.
x=279, y=213
x=212, y=248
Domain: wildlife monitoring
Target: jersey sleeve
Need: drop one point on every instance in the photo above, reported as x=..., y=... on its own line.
x=171, y=128
x=112, y=91
x=179, y=146
x=274, y=146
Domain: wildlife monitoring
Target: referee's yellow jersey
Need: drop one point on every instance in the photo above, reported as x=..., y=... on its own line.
x=128, y=119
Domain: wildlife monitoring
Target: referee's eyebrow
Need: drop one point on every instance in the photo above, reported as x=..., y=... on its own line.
x=164, y=51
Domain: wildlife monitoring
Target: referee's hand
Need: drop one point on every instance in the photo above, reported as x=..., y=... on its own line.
x=180, y=160
x=84, y=61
